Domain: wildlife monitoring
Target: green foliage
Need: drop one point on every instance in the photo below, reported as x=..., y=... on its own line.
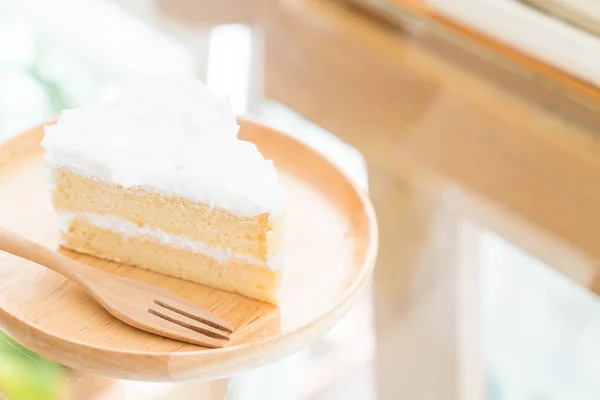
x=25, y=375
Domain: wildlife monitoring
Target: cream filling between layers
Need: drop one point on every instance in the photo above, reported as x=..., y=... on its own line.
x=127, y=229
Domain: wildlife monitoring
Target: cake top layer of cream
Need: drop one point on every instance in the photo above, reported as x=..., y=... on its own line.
x=169, y=135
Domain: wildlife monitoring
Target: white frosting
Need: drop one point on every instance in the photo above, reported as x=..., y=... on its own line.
x=170, y=135
x=128, y=229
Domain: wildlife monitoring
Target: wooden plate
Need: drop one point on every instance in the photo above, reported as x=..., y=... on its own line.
x=331, y=246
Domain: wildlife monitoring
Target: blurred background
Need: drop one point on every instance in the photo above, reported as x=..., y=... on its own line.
x=473, y=125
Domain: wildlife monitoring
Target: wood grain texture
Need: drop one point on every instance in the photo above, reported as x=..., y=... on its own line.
x=331, y=247
x=136, y=303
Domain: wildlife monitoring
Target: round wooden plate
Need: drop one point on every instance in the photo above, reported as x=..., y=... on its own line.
x=331, y=246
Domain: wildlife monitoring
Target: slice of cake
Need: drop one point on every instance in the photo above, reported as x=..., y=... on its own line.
x=157, y=178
